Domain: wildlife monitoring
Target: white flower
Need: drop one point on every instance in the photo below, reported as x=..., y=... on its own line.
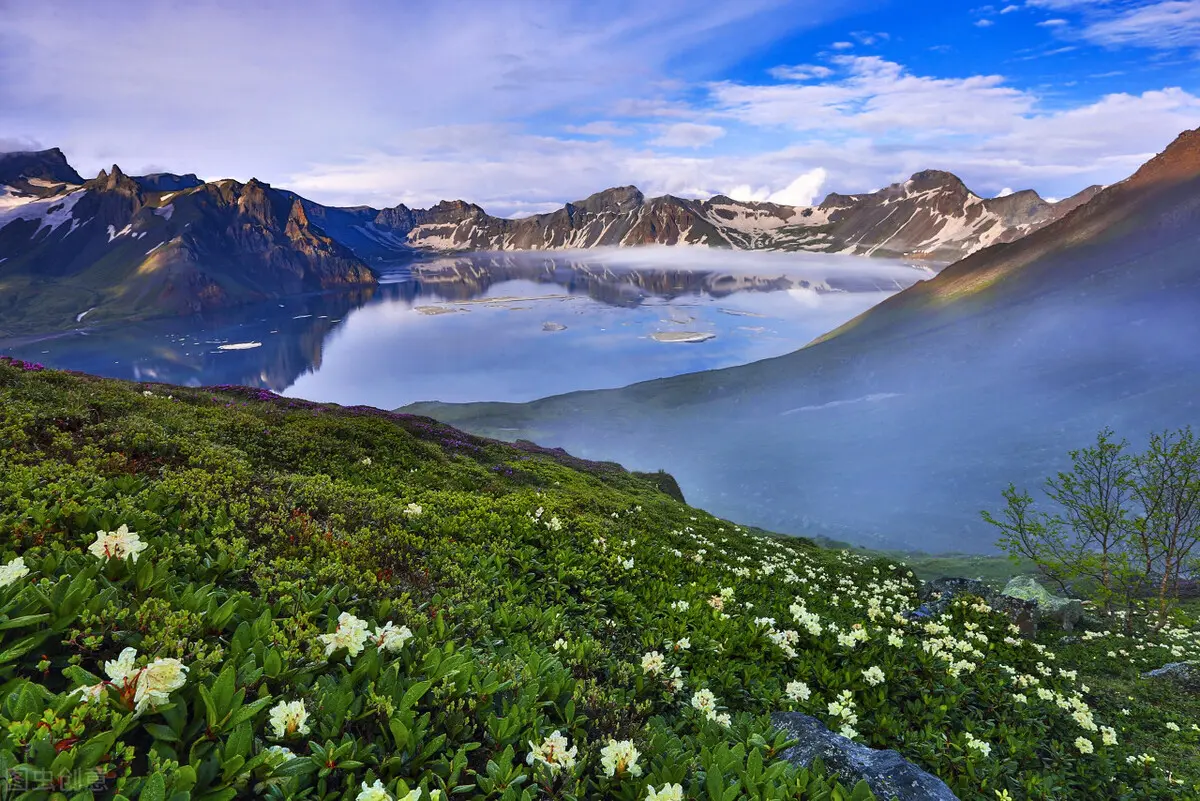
x=351, y=634
x=147, y=393
x=723, y=718
x=798, y=691
x=413, y=510
x=620, y=758
x=873, y=676
x=553, y=753
x=675, y=683
x=90, y=693
x=12, y=571
x=366, y=461
x=288, y=718
x=157, y=681
x=1108, y=735
x=122, y=667
x=554, y=524
x=1172, y=725
x=682, y=644
x=669, y=792
x=1084, y=745
x=627, y=563
x=895, y=640
x=653, y=663
x=117, y=544
x=705, y=701
x=390, y=638
x=680, y=606
x=375, y=792
x=560, y=644
x=978, y=745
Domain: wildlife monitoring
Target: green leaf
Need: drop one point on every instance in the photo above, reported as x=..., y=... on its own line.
x=414, y=694
x=154, y=788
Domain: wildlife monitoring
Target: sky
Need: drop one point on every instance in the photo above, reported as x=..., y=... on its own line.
x=521, y=106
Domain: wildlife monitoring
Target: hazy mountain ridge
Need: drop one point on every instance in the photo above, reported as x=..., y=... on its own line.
x=900, y=426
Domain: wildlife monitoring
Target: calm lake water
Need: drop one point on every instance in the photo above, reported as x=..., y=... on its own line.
x=501, y=326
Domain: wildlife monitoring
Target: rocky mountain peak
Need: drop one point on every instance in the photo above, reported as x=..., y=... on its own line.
x=1180, y=161
x=937, y=179
x=617, y=199
x=47, y=165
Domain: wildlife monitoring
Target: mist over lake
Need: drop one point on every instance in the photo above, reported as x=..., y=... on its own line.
x=507, y=327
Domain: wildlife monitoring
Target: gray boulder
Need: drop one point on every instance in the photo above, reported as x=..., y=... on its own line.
x=1185, y=674
x=888, y=774
x=1066, y=612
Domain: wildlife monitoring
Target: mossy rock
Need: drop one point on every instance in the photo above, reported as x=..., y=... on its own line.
x=665, y=482
x=1066, y=612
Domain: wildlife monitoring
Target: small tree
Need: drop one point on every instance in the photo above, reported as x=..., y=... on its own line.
x=1167, y=526
x=1120, y=519
x=1035, y=536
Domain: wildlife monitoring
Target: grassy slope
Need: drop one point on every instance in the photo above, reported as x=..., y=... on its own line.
x=265, y=520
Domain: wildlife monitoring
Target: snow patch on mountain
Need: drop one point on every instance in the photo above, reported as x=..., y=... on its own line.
x=49, y=212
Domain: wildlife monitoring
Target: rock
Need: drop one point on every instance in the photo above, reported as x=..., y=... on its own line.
x=1064, y=611
x=1185, y=674
x=888, y=774
x=553, y=327
x=937, y=595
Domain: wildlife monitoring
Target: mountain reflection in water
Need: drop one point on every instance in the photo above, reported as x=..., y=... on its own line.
x=496, y=326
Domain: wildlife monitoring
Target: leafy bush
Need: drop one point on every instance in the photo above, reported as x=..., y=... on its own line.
x=1125, y=525
x=224, y=593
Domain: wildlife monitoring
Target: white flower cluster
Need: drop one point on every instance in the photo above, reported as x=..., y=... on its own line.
x=619, y=758
x=288, y=718
x=351, y=633
x=553, y=753
x=142, y=688
x=842, y=708
x=13, y=571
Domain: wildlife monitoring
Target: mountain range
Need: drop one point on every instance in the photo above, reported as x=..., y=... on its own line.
x=896, y=429
x=126, y=247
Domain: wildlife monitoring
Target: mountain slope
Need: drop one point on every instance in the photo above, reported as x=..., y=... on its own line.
x=900, y=426
x=121, y=247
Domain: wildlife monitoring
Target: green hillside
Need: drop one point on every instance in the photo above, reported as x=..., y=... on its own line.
x=291, y=600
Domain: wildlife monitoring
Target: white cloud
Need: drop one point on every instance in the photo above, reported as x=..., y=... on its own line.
x=1005, y=192
x=1009, y=9
x=600, y=128
x=241, y=89
x=875, y=96
x=1165, y=25
x=984, y=23
x=842, y=45
x=800, y=72
x=803, y=191
x=1155, y=24
x=877, y=122
x=688, y=134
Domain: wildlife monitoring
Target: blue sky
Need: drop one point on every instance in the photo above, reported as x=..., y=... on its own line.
x=522, y=105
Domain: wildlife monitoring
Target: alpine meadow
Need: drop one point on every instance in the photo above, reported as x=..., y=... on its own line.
x=838, y=441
